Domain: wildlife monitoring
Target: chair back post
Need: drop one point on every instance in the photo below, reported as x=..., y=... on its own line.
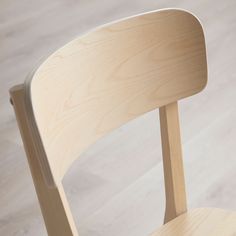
x=53, y=202
x=172, y=162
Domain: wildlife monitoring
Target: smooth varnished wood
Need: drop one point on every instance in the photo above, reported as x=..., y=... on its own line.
x=172, y=162
x=114, y=74
x=53, y=202
x=121, y=175
x=97, y=83
x=201, y=222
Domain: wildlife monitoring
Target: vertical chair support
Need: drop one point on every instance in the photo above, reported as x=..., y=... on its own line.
x=172, y=161
x=53, y=202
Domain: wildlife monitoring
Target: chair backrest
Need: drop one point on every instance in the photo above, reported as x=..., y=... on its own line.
x=109, y=76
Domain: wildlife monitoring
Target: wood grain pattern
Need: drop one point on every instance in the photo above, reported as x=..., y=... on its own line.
x=172, y=160
x=164, y=61
x=104, y=188
x=53, y=202
x=102, y=80
x=57, y=106
x=201, y=222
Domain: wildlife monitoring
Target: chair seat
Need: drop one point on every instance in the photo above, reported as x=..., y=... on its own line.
x=201, y=222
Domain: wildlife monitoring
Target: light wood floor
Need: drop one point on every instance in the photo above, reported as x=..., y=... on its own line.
x=110, y=195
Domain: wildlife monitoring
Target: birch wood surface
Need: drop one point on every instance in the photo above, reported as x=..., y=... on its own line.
x=198, y=222
x=30, y=30
x=160, y=58
x=114, y=73
x=53, y=202
x=176, y=203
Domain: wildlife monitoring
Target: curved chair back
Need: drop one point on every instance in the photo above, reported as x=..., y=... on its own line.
x=109, y=76
x=99, y=82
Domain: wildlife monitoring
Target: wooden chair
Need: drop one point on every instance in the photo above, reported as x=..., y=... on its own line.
x=99, y=82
